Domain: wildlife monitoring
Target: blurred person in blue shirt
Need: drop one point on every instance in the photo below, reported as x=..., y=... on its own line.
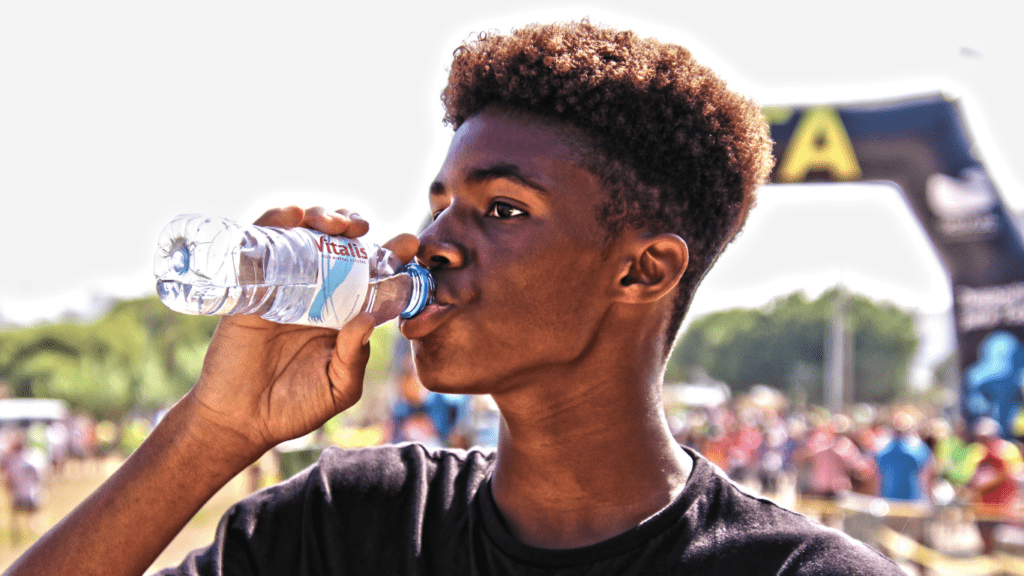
x=904, y=463
x=906, y=468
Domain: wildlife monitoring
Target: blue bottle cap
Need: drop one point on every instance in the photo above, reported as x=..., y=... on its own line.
x=422, y=289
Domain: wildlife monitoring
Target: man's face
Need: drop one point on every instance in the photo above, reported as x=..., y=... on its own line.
x=516, y=248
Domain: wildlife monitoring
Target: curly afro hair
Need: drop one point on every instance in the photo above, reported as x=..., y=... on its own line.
x=675, y=149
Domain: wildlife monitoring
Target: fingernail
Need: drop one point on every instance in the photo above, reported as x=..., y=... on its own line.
x=355, y=215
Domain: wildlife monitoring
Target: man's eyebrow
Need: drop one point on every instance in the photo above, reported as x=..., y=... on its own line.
x=508, y=171
x=497, y=171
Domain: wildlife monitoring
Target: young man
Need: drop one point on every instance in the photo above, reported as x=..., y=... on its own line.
x=592, y=180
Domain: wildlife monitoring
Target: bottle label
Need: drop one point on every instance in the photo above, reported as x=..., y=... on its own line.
x=342, y=283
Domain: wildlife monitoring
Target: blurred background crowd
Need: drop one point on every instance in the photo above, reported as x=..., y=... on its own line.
x=909, y=477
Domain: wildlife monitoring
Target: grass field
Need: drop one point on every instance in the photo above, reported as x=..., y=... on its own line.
x=77, y=482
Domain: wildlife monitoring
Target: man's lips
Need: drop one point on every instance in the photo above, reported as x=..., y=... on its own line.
x=426, y=321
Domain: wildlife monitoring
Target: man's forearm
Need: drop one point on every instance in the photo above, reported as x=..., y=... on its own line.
x=123, y=526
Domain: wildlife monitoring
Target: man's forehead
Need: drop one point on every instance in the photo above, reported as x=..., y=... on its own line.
x=501, y=133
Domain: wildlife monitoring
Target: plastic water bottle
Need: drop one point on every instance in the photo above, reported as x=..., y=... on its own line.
x=218, y=267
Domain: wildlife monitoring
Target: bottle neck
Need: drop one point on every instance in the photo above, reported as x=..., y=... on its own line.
x=422, y=289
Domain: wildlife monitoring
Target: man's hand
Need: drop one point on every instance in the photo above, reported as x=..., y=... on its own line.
x=263, y=382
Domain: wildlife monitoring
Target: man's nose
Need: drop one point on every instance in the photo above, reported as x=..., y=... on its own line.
x=437, y=248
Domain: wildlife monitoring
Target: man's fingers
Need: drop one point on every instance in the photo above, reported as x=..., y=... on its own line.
x=285, y=217
x=332, y=222
x=404, y=246
x=357, y=226
x=326, y=221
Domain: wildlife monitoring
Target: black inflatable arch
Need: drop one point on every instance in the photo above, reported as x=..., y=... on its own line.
x=921, y=145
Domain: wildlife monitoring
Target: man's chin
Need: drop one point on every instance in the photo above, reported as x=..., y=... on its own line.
x=453, y=386
x=450, y=380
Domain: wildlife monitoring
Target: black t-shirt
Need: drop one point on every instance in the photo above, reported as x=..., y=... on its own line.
x=406, y=510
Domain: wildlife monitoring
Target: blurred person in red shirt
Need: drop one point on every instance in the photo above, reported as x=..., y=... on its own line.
x=744, y=446
x=994, y=483
x=829, y=462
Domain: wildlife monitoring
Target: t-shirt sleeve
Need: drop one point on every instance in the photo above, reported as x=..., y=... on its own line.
x=353, y=512
x=267, y=532
x=838, y=555
x=238, y=548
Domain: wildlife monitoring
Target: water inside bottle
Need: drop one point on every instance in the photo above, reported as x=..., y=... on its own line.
x=210, y=300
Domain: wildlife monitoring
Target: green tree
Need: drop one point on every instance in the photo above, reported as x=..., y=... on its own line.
x=783, y=345
x=139, y=357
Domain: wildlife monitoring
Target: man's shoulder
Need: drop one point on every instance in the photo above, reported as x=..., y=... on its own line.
x=745, y=527
x=381, y=502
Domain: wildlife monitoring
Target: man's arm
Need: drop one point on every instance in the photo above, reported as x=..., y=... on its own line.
x=262, y=383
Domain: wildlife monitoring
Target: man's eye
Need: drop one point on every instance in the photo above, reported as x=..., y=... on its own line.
x=504, y=210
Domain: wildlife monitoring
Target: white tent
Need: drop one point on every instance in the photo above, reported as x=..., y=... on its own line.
x=15, y=410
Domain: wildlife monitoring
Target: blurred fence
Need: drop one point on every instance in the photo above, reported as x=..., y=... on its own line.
x=938, y=538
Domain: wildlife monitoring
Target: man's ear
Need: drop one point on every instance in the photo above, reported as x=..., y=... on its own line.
x=655, y=267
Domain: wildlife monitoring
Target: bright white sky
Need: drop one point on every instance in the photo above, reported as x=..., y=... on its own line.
x=117, y=116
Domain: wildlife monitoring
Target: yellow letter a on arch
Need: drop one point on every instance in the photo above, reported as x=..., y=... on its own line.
x=819, y=143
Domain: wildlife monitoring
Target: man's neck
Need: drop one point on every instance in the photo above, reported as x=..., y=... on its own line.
x=577, y=465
